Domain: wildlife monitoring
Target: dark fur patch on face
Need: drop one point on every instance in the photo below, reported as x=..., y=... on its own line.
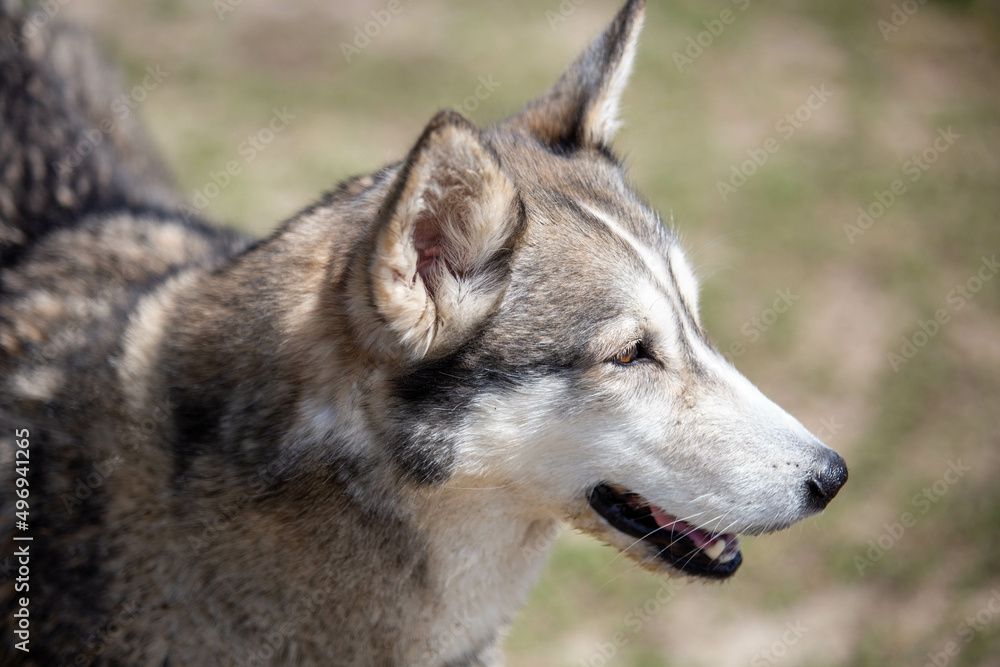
x=431, y=399
x=423, y=459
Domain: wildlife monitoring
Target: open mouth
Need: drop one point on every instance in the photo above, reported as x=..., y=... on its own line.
x=685, y=547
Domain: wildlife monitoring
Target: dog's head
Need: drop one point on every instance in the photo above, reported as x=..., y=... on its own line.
x=537, y=328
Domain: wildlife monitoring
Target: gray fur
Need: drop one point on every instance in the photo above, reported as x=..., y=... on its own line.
x=239, y=453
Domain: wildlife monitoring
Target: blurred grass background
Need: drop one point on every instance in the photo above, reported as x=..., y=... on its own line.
x=802, y=597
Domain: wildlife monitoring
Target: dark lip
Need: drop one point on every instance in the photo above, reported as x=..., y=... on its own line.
x=629, y=513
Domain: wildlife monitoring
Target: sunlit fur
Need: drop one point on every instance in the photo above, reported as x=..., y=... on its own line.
x=352, y=442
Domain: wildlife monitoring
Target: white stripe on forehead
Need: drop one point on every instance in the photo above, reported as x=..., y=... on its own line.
x=655, y=262
x=687, y=284
x=673, y=271
x=682, y=288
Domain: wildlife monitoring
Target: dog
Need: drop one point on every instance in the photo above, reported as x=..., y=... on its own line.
x=350, y=443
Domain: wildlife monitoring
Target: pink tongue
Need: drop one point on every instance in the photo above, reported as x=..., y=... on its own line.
x=700, y=538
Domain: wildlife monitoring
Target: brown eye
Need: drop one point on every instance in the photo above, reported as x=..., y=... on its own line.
x=629, y=354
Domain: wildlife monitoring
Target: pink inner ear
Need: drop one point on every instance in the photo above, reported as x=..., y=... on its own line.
x=428, y=242
x=427, y=257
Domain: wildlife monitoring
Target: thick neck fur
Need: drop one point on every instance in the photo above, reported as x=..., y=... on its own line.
x=487, y=549
x=279, y=412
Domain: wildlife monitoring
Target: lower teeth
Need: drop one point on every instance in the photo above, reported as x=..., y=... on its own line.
x=715, y=549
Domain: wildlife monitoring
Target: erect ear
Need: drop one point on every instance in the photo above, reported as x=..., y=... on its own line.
x=445, y=236
x=582, y=107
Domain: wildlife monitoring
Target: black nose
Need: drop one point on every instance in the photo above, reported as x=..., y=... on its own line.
x=827, y=480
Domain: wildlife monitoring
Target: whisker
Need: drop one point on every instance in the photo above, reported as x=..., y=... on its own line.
x=644, y=562
x=658, y=528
